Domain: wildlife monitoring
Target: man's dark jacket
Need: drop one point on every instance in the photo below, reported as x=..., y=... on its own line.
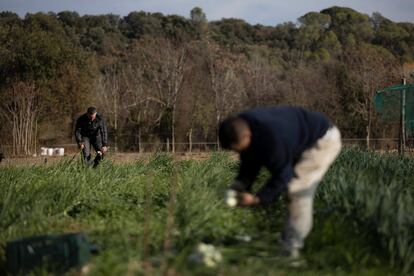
x=279, y=137
x=94, y=130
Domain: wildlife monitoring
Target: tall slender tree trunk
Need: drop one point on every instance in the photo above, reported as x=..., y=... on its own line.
x=368, y=128
x=116, y=121
x=14, y=136
x=190, y=139
x=139, y=140
x=173, y=130
x=35, y=138
x=218, y=118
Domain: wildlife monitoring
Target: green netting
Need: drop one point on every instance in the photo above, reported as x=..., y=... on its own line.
x=387, y=102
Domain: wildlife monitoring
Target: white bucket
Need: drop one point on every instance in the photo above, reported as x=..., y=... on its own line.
x=43, y=151
x=49, y=151
x=60, y=151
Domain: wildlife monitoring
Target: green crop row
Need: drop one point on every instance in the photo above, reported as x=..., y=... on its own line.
x=147, y=217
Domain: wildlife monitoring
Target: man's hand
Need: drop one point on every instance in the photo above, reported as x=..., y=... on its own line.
x=81, y=146
x=104, y=149
x=247, y=199
x=238, y=186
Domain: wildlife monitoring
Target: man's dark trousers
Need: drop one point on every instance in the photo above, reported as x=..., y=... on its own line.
x=96, y=143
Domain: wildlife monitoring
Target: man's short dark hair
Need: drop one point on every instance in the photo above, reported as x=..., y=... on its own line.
x=91, y=110
x=230, y=130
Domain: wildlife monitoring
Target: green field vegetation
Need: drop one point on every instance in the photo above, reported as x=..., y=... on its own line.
x=147, y=217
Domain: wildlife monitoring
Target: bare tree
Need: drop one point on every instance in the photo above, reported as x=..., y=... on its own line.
x=141, y=109
x=372, y=68
x=259, y=79
x=165, y=62
x=225, y=81
x=109, y=95
x=20, y=107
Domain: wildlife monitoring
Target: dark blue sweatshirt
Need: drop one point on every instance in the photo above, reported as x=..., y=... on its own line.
x=279, y=137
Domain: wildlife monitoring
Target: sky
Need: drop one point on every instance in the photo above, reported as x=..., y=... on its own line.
x=266, y=12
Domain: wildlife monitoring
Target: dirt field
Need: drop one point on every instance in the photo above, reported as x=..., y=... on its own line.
x=124, y=158
x=118, y=158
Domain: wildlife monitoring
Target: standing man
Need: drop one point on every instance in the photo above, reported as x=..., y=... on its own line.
x=91, y=131
x=297, y=146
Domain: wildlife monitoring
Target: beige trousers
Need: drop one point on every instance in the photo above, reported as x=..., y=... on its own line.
x=309, y=171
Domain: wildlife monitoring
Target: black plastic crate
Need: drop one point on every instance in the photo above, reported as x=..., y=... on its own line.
x=57, y=253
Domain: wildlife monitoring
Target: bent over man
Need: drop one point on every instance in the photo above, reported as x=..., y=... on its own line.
x=91, y=131
x=297, y=146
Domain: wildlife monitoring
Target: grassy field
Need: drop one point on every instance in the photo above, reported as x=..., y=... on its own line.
x=147, y=217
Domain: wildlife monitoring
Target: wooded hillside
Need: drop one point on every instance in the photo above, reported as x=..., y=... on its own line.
x=158, y=78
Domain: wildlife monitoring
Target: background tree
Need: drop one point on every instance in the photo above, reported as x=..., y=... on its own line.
x=371, y=68
x=19, y=107
x=165, y=65
x=162, y=77
x=199, y=21
x=225, y=81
